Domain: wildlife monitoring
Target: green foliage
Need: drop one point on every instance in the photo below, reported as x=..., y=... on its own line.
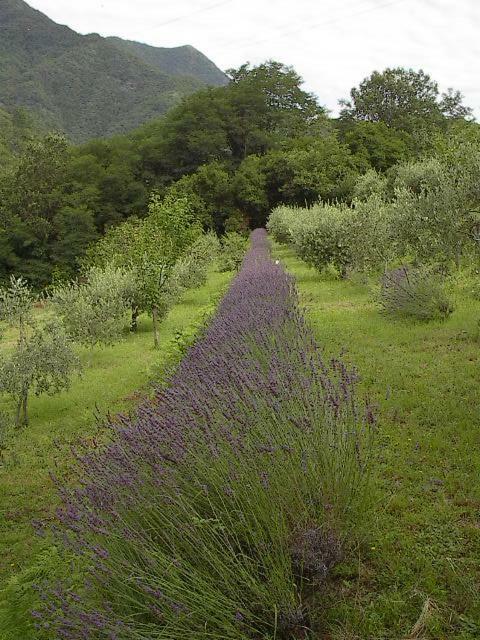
x=281, y=221
x=321, y=236
x=403, y=99
x=16, y=305
x=234, y=246
x=371, y=231
x=41, y=362
x=39, y=230
x=190, y=271
x=94, y=310
x=418, y=294
x=370, y=184
x=151, y=249
x=310, y=169
x=237, y=223
x=425, y=212
x=436, y=212
x=233, y=152
x=17, y=128
x=375, y=143
x=418, y=177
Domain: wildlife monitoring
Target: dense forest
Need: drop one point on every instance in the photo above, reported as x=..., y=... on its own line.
x=235, y=152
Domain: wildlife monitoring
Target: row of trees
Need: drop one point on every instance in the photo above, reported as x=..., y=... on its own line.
x=235, y=152
x=140, y=266
x=424, y=213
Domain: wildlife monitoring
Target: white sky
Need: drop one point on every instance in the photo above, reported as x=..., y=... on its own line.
x=333, y=44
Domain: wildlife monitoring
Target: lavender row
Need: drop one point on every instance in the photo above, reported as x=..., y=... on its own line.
x=222, y=505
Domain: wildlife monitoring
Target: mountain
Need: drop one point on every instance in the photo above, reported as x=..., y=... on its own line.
x=90, y=86
x=177, y=61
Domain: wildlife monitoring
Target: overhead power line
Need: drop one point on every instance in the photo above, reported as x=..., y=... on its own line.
x=309, y=27
x=195, y=12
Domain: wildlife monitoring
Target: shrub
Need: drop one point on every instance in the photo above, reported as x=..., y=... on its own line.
x=370, y=184
x=232, y=252
x=227, y=499
x=321, y=236
x=191, y=270
x=416, y=293
x=371, y=231
x=476, y=290
x=43, y=362
x=236, y=223
x=280, y=223
x=94, y=312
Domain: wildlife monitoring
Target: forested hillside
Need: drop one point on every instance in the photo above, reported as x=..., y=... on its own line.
x=175, y=61
x=89, y=86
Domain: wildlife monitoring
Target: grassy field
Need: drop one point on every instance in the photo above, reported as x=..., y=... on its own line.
x=418, y=575
x=113, y=379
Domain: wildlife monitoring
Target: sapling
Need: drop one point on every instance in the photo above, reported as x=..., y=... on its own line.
x=233, y=251
x=94, y=311
x=43, y=358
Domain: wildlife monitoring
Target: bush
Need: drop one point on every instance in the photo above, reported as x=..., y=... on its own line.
x=370, y=184
x=94, y=312
x=415, y=293
x=321, y=236
x=191, y=270
x=476, y=290
x=280, y=223
x=227, y=499
x=232, y=252
x=236, y=223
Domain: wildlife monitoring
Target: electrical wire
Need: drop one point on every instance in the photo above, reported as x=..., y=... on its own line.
x=309, y=27
x=197, y=11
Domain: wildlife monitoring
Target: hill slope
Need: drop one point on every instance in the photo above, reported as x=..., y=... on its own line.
x=177, y=61
x=90, y=86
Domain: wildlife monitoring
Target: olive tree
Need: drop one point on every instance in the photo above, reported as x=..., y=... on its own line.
x=150, y=248
x=42, y=360
x=94, y=309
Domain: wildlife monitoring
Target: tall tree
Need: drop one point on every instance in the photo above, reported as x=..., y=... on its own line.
x=402, y=99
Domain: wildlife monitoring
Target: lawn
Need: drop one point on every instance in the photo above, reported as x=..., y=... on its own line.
x=113, y=379
x=417, y=574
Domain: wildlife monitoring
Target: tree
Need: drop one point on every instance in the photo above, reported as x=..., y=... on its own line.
x=309, y=169
x=376, y=144
x=31, y=196
x=42, y=360
x=403, y=99
x=75, y=231
x=94, y=310
x=150, y=248
x=233, y=251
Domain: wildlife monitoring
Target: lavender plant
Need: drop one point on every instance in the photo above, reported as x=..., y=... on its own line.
x=220, y=506
x=415, y=293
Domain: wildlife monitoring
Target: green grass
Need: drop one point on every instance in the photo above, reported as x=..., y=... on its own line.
x=113, y=379
x=419, y=574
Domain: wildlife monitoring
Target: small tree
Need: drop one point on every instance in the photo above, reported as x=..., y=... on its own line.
x=150, y=248
x=234, y=247
x=94, y=312
x=42, y=360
